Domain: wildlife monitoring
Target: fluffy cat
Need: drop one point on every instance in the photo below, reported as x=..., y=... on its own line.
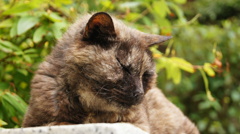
x=103, y=71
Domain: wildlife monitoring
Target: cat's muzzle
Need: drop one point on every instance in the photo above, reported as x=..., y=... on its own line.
x=124, y=95
x=126, y=98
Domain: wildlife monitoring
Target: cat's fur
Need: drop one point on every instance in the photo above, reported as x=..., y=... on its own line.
x=102, y=71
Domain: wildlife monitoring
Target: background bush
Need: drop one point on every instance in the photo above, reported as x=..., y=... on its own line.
x=198, y=68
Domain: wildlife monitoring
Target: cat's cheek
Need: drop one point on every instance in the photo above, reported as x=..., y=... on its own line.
x=90, y=101
x=149, y=81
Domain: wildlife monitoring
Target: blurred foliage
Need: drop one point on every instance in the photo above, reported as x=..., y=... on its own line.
x=214, y=10
x=28, y=30
x=200, y=62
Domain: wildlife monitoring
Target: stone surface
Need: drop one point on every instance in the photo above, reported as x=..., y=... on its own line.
x=100, y=128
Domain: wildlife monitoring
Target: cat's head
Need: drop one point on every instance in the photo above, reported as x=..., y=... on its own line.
x=114, y=59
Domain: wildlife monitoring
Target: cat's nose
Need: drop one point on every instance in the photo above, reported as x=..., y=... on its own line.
x=138, y=93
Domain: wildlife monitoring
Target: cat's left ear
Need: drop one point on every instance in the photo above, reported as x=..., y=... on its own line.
x=99, y=27
x=152, y=39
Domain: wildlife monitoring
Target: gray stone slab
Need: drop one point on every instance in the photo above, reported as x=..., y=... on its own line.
x=99, y=128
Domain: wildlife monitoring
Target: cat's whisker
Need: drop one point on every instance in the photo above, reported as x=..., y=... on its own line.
x=116, y=91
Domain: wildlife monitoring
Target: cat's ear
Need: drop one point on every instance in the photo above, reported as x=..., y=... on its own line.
x=99, y=27
x=152, y=39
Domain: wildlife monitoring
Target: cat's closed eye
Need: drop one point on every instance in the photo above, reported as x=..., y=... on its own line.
x=124, y=68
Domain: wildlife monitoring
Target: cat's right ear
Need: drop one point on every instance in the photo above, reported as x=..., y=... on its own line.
x=99, y=27
x=152, y=39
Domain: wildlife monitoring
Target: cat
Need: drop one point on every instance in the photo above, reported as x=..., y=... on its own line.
x=102, y=71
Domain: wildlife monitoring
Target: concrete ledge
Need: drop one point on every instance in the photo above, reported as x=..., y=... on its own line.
x=100, y=128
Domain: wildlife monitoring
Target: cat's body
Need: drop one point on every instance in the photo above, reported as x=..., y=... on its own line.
x=102, y=72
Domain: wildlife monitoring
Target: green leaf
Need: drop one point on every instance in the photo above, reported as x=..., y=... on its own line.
x=61, y=25
x=23, y=85
x=9, y=68
x=208, y=69
x=14, y=101
x=37, y=3
x=30, y=51
x=176, y=75
x=23, y=71
x=132, y=16
x=161, y=8
x=54, y=17
x=26, y=23
x=173, y=72
x=161, y=63
x=5, y=49
x=60, y=3
x=56, y=31
x=13, y=31
x=106, y=5
x=2, y=123
x=6, y=23
x=130, y=4
x=169, y=69
x=7, y=108
x=27, y=58
x=18, y=9
x=183, y=64
x=9, y=45
x=180, y=1
x=39, y=33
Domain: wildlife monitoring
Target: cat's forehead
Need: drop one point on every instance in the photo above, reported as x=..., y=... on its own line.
x=130, y=52
x=129, y=46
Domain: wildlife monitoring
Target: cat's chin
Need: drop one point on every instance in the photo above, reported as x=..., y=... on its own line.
x=129, y=102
